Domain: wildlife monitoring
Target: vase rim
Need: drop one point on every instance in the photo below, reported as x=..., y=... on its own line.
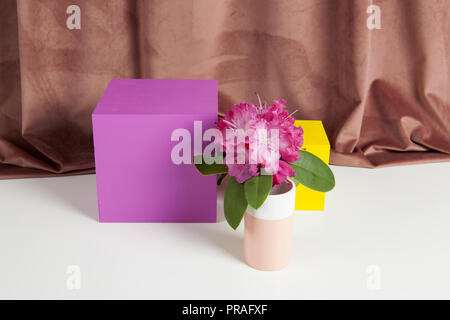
x=290, y=186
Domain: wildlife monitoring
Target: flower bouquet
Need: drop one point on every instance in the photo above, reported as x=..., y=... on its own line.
x=260, y=149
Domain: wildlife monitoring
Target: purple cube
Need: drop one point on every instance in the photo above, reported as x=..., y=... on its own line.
x=137, y=180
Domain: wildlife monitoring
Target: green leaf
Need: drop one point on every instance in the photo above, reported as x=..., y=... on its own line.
x=235, y=203
x=209, y=169
x=257, y=189
x=313, y=173
x=296, y=182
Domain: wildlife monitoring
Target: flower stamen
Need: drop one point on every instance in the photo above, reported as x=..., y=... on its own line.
x=259, y=99
x=230, y=123
x=292, y=113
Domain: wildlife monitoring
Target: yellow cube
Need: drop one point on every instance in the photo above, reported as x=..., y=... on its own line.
x=316, y=142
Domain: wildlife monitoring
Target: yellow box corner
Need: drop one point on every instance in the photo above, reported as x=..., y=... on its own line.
x=315, y=141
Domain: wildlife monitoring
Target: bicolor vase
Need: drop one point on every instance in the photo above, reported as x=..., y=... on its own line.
x=268, y=231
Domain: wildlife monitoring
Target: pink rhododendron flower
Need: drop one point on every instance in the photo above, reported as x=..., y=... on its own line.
x=242, y=172
x=284, y=171
x=268, y=136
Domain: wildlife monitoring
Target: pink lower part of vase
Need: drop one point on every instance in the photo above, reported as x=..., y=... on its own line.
x=268, y=243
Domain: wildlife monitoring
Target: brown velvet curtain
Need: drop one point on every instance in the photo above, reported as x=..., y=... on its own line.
x=382, y=94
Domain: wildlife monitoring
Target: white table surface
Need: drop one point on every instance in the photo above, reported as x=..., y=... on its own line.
x=385, y=233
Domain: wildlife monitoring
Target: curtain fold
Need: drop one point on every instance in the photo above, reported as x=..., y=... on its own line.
x=382, y=94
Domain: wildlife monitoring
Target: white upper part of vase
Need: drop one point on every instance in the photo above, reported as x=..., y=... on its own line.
x=279, y=204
